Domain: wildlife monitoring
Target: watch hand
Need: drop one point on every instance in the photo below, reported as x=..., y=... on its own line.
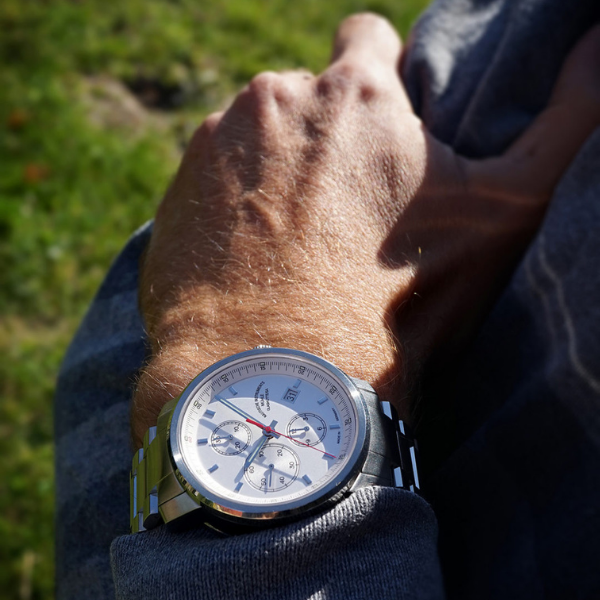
x=228, y=441
x=256, y=452
x=271, y=431
x=233, y=407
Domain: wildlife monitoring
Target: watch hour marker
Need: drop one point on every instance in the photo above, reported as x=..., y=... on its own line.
x=213, y=468
x=307, y=479
x=297, y=384
x=202, y=441
x=233, y=390
x=323, y=400
x=336, y=426
x=238, y=487
x=209, y=413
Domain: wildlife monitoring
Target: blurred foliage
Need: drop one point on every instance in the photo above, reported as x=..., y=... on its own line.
x=83, y=163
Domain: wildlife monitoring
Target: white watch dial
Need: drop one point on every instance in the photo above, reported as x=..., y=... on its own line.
x=267, y=429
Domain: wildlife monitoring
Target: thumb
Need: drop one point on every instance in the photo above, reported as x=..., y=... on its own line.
x=533, y=165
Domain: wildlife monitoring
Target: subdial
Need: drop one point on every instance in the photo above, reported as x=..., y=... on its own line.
x=307, y=428
x=230, y=438
x=275, y=468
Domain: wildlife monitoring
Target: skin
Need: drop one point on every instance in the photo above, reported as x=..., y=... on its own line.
x=318, y=213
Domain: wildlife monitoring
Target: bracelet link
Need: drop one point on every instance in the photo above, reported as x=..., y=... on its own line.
x=151, y=461
x=406, y=474
x=142, y=487
x=136, y=492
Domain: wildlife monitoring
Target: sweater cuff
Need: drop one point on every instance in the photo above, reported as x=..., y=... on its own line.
x=378, y=542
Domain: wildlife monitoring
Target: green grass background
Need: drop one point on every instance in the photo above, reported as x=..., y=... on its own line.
x=79, y=171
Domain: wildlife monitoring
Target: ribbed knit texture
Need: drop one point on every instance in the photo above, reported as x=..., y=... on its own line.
x=378, y=542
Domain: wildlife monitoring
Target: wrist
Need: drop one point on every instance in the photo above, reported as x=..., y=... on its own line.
x=187, y=351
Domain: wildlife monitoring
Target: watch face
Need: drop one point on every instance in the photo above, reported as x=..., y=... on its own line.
x=268, y=432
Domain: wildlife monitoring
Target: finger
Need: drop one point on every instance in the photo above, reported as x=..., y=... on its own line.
x=367, y=45
x=368, y=39
x=534, y=164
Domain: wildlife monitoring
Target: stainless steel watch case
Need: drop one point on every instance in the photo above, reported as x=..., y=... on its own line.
x=242, y=512
x=164, y=489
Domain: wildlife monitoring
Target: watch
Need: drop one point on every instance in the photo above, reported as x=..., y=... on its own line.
x=264, y=437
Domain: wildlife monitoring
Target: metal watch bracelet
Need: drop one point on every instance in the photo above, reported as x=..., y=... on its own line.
x=391, y=461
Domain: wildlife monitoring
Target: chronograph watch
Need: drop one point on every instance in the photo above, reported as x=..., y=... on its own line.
x=264, y=437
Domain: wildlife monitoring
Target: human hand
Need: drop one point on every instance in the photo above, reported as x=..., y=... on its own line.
x=314, y=211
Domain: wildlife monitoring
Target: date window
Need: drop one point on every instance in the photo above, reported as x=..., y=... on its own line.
x=291, y=395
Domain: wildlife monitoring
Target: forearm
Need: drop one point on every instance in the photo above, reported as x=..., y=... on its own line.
x=197, y=332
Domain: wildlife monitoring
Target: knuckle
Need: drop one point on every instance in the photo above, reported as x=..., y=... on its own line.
x=270, y=85
x=337, y=80
x=264, y=83
x=345, y=78
x=267, y=87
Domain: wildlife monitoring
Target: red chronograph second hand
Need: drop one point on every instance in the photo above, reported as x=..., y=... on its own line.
x=268, y=430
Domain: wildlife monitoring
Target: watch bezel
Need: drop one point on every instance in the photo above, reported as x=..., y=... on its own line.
x=242, y=512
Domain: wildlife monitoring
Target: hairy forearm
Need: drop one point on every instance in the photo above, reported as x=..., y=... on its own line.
x=200, y=330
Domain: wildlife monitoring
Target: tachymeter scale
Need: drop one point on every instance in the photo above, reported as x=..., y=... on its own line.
x=276, y=467
x=307, y=429
x=231, y=438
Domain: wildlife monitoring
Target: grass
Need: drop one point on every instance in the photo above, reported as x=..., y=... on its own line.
x=81, y=167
